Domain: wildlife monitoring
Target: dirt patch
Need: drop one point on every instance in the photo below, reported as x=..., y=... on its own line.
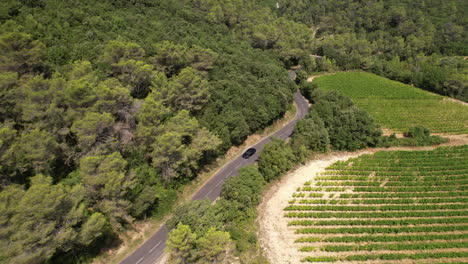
x=456, y=101
x=275, y=236
x=311, y=78
x=164, y=259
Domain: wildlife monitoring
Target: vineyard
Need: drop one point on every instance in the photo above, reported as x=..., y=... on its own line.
x=408, y=206
x=398, y=106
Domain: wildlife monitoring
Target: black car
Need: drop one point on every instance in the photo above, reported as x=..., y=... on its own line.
x=248, y=153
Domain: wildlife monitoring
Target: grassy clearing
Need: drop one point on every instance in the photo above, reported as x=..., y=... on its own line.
x=384, y=217
x=397, y=106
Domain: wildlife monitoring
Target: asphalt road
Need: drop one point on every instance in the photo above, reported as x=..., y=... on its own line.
x=153, y=248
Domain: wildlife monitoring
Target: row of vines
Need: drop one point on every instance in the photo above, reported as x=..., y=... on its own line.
x=389, y=206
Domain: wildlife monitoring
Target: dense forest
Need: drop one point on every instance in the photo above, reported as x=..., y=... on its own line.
x=417, y=42
x=108, y=107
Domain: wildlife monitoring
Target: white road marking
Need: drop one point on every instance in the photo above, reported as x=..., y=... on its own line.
x=229, y=174
x=219, y=183
x=154, y=247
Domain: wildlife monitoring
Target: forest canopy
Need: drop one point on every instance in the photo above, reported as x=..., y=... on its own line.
x=108, y=107
x=417, y=42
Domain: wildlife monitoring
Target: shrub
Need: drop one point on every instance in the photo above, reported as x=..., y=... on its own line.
x=311, y=133
x=275, y=159
x=199, y=215
x=348, y=127
x=418, y=132
x=244, y=188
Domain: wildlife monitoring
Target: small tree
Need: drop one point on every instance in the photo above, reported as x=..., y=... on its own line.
x=276, y=159
x=212, y=246
x=244, y=188
x=199, y=215
x=311, y=133
x=418, y=132
x=180, y=244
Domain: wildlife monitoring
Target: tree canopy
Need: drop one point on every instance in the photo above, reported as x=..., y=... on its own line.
x=120, y=103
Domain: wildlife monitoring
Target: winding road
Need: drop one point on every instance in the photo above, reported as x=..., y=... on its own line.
x=153, y=248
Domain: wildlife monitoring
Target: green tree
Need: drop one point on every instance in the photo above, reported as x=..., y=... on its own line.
x=107, y=183
x=168, y=153
x=151, y=117
x=180, y=244
x=169, y=57
x=37, y=103
x=8, y=83
x=311, y=133
x=116, y=51
x=95, y=226
x=308, y=89
x=79, y=95
x=212, y=247
x=457, y=85
x=82, y=70
x=136, y=75
x=418, y=132
x=34, y=151
x=92, y=129
x=20, y=53
x=7, y=135
x=431, y=77
x=45, y=219
x=275, y=159
x=187, y=91
x=113, y=98
x=145, y=199
x=199, y=215
x=201, y=59
x=348, y=50
x=245, y=188
x=349, y=128
x=178, y=147
x=294, y=42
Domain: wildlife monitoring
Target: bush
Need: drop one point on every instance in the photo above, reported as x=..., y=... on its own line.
x=418, y=132
x=244, y=188
x=301, y=76
x=311, y=134
x=308, y=89
x=420, y=136
x=349, y=128
x=199, y=215
x=275, y=159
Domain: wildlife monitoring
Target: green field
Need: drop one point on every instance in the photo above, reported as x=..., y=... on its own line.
x=398, y=106
x=399, y=205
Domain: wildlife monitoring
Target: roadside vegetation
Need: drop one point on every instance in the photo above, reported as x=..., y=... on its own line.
x=332, y=124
